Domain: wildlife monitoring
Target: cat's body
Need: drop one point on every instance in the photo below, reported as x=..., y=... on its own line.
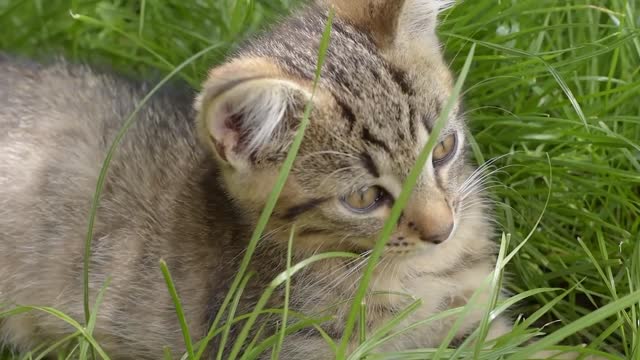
x=57, y=122
x=167, y=195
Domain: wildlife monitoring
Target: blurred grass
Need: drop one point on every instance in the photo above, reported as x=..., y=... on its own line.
x=549, y=78
x=136, y=37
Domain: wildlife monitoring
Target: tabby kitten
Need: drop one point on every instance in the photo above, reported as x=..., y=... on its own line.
x=188, y=188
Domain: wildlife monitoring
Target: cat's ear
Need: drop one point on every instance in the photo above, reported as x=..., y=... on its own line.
x=246, y=109
x=393, y=22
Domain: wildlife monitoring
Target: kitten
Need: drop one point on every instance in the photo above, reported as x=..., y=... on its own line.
x=188, y=187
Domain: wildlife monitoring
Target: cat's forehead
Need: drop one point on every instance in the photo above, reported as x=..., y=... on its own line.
x=370, y=85
x=356, y=69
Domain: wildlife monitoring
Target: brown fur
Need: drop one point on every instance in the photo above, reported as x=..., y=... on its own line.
x=379, y=18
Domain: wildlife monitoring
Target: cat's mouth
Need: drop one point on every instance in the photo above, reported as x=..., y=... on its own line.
x=401, y=244
x=407, y=250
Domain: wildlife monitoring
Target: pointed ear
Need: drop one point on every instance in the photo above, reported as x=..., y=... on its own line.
x=419, y=19
x=246, y=109
x=392, y=22
x=379, y=18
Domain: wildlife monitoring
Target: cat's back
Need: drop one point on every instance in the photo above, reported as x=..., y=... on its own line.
x=56, y=101
x=41, y=100
x=58, y=115
x=52, y=122
x=57, y=122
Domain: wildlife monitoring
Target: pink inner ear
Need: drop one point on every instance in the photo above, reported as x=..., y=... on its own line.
x=223, y=130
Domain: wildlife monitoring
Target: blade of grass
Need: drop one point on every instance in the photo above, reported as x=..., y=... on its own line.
x=537, y=223
x=72, y=353
x=232, y=313
x=588, y=320
x=143, y=8
x=495, y=287
x=362, y=322
x=268, y=312
x=255, y=351
x=254, y=341
x=167, y=354
x=61, y=316
x=84, y=347
x=366, y=343
x=46, y=352
x=556, y=75
x=287, y=293
x=178, y=306
x=136, y=40
x=281, y=278
x=500, y=309
x=472, y=304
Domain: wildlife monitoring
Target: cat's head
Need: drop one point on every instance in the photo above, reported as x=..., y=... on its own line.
x=383, y=85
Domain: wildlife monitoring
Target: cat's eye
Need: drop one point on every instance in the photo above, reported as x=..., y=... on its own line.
x=444, y=151
x=364, y=200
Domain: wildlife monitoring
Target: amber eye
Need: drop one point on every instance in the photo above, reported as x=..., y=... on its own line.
x=365, y=199
x=445, y=149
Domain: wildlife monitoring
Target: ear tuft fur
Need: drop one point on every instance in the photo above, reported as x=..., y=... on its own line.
x=392, y=21
x=240, y=112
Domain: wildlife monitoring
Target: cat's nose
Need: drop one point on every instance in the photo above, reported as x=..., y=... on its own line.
x=438, y=236
x=431, y=222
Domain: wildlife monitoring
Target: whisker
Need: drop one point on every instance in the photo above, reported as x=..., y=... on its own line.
x=328, y=176
x=478, y=176
x=339, y=279
x=330, y=274
x=477, y=181
x=478, y=203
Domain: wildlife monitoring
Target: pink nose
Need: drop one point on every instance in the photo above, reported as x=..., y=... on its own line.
x=433, y=234
x=430, y=221
x=438, y=237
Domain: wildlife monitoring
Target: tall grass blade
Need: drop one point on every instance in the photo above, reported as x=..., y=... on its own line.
x=178, y=306
x=287, y=295
x=232, y=314
x=279, y=280
x=84, y=347
x=585, y=321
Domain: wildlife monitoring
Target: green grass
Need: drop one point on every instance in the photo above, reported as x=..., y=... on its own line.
x=553, y=88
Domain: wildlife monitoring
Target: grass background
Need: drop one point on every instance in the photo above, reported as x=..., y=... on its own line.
x=554, y=88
